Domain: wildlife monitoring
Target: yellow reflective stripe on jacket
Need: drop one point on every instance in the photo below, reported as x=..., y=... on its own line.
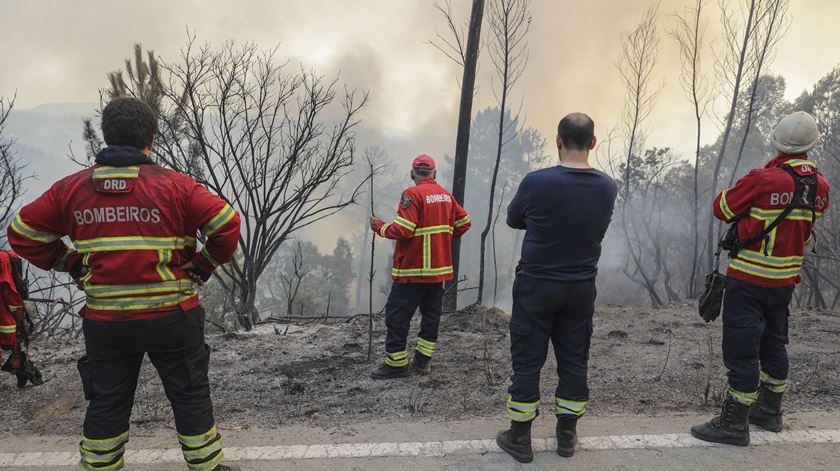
x=8, y=329
x=111, y=291
x=116, y=172
x=383, y=229
x=771, y=260
x=799, y=163
x=401, y=221
x=209, y=258
x=218, y=221
x=402, y=272
x=27, y=231
x=106, y=244
x=433, y=230
x=724, y=207
x=763, y=272
x=138, y=303
x=162, y=268
x=797, y=214
x=462, y=221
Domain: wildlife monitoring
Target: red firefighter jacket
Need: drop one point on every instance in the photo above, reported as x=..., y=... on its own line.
x=133, y=225
x=428, y=217
x=758, y=198
x=11, y=304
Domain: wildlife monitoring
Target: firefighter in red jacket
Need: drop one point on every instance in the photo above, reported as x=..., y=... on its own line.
x=761, y=278
x=428, y=217
x=133, y=226
x=14, y=338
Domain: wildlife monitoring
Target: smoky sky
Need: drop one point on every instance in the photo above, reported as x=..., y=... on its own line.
x=58, y=51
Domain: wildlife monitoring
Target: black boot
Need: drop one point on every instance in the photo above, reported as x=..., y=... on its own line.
x=29, y=372
x=566, y=435
x=390, y=372
x=767, y=412
x=421, y=364
x=730, y=427
x=516, y=441
x=227, y=467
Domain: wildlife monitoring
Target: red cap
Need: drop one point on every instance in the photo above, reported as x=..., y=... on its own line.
x=423, y=162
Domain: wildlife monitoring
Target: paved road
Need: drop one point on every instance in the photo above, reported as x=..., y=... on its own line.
x=810, y=442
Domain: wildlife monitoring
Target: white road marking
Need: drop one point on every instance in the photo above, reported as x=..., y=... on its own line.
x=425, y=449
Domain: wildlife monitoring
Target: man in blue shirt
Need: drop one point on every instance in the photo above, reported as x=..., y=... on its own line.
x=565, y=212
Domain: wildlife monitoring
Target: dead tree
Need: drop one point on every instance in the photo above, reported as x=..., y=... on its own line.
x=731, y=66
x=689, y=34
x=372, y=271
x=11, y=170
x=468, y=58
x=292, y=277
x=640, y=50
x=510, y=22
x=257, y=133
x=772, y=24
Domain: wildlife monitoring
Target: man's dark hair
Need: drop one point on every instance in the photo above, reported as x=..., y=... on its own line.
x=128, y=122
x=576, y=131
x=423, y=172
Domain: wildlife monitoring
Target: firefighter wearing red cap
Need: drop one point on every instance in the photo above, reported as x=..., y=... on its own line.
x=134, y=227
x=428, y=217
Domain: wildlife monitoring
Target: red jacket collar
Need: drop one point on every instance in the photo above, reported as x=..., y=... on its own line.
x=427, y=181
x=783, y=158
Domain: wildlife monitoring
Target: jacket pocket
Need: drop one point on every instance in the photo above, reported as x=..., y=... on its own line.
x=86, y=373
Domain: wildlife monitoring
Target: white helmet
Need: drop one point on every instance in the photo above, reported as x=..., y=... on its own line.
x=796, y=133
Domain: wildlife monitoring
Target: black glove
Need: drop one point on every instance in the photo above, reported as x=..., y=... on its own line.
x=712, y=297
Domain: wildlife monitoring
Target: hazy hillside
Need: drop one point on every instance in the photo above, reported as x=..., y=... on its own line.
x=43, y=138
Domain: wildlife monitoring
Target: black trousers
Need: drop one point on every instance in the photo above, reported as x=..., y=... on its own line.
x=561, y=313
x=755, y=334
x=403, y=300
x=110, y=370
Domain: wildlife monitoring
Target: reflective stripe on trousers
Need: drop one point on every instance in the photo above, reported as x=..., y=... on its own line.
x=202, y=452
x=103, y=454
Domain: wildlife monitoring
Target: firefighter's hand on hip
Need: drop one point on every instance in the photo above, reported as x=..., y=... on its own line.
x=78, y=279
x=375, y=222
x=195, y=277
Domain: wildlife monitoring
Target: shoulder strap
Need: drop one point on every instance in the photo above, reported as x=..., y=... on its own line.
x=804, y=194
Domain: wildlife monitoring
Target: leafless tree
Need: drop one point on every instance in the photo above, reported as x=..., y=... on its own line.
x=272, y=141
x=11, y=169
x=689, y=34
x=292, y=277
x=773, y=22
x=55, y=302
x=732, y=66
x=639, y=54
x=469, y=60
x=372, y=272
x=510, y=22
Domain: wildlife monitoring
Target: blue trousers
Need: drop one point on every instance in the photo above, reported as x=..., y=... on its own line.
x=403, y=301
x=755, y=333
x=561, y=313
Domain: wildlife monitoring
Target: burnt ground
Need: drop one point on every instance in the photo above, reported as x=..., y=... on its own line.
x=643, y=362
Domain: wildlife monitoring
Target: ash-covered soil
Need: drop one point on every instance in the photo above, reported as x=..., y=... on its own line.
x=643, y=361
